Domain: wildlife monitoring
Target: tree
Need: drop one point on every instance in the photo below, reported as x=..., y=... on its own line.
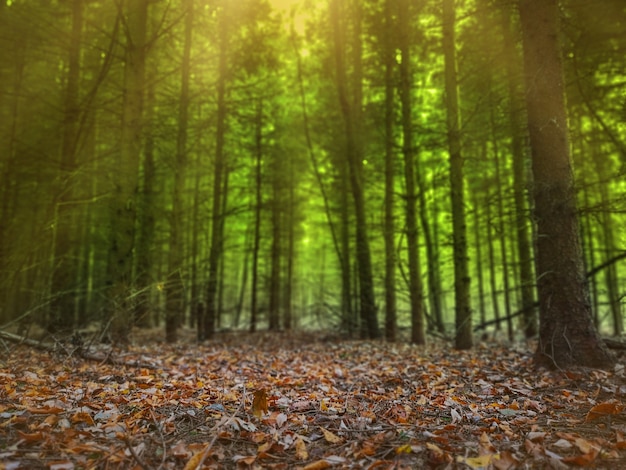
x=418, y=335
x=567, y=335
x=123, y=201
x=389, y=223
x=65, y=272
x=175, y=297
x=350, y=107
x=463, y=311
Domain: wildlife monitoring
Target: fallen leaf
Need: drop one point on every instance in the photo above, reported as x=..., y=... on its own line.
x=301, y=452
x=330, y=437
x=259, y=403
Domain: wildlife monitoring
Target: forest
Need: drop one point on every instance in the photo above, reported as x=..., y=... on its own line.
x=312, y=234
x=378, y=168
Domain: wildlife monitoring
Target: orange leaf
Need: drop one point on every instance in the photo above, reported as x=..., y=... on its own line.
x=34, y=437
x=583, y=460
x=259, y=404
x=82, y=417
x=45, y=410
x=607, y=408
x=318, y=465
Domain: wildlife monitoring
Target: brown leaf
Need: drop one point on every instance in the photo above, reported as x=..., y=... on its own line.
x=259, y=403
x=317, y=465
x=607, y=408
x=301, y=452
x=330, y=437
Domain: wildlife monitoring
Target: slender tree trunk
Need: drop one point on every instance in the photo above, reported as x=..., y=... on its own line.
x=479, y=242
x=194, y=281
x=389, y=223
x=504, y=258
x=369, y=322
x=463, y=310
x=516, y=113
x=493, y=278
x=608, y=240
x=275, y=255
x=588, y=244
x=174, y=293
x=256, y=238
x=340, y=242
x=567, y=335
x=429, y=229
x=65, y=274
x=418, y=334
x=124, y=198
x=215, y=251
x=287, y=301
x=146, y=221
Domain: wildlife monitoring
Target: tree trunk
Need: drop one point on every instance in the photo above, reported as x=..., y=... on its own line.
x=479, y=242
x=567, y=336
x=418, y=335
x=504, y=255
x=124, y=198
x=275, y=254
x=174, y=293
x=65, y=271
x=493, y=278
x=350, y=110
x=215, y=251
x=389, y=224
x=145, y=263
x=256, y=238
x=516, y=116
x=463, y=310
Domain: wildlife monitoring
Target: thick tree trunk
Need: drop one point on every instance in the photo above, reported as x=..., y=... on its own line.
x=463, y=310
x=567, y=335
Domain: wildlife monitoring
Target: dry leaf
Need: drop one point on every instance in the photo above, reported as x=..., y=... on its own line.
x=318, y=465
x=330, y=437
x=301, y=452
x=604, y=409
x=259, y=404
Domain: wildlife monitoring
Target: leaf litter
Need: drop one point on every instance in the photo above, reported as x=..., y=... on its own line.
x=282, y=401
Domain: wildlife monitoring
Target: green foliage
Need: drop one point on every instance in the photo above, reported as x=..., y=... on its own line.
x=280, y=86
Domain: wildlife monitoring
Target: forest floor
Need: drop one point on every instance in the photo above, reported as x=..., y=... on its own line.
x=304, y=402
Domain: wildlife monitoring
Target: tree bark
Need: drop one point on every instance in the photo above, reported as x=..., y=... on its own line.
x=416, y=295
x=65, y=271
x=124, y=198
x=174, y=292
x=215, y=251
x=567, y=336
x=350, y=110
x=389, y=222
x=463, y=310
x=516, y=112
